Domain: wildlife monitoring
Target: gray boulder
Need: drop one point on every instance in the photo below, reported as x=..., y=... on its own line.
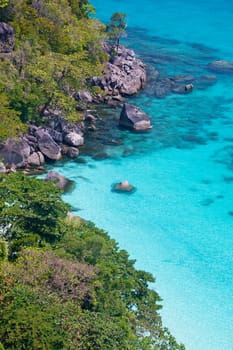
x=134, y=118
x=59, y=181
x=36, y=159
x=7, y=41
x=15, y=152
x=221, y=66
x=74, y=139
x=47, y=145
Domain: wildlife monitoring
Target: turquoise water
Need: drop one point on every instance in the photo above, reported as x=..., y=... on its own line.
x=179, y=222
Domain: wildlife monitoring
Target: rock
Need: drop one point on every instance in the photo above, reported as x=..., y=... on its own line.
x=90, y=118
x=183, y=78
x=221, y=66
x=205, y=81
x=71, y=152
x=84, y=96
x=124, y=75
x=134, y=118
x=47, y=145
x=183, y=89
x=7, y=41
x=60, y=181
x=35, y=159
x=56, y=135
x=15, y=152
x=123, y=187
x=162, y=88
x=74, y=139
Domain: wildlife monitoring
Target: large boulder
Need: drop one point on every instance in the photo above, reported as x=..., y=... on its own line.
x=35, y=159
x=59, y=181
x=7, y=41
x=74, y=139
x=15, y=152
x=221, y=66
x=134, y=118
x=47, y=145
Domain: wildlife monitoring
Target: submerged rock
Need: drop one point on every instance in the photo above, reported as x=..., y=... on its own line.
x=60, y=181
x=134, y=118
x=221, y=66
x=123, y=187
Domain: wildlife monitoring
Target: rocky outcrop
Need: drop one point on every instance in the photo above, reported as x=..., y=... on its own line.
x=221, y=66
x=7, y=40
x=42, y=143
x=124, y=75
x=59, y=181
x=134, y=118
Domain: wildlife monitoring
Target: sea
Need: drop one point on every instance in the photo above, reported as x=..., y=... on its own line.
x=178, y=224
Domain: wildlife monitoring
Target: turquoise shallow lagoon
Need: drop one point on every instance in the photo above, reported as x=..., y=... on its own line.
x=179, y=222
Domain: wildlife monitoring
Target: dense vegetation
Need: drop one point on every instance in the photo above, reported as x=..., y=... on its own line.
x=57, y=49
x=64, y=284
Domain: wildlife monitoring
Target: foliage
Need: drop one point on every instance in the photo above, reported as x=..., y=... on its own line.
x=58, y=49
x=3, y=3
x=69, y=280
x=30, y=211
x=3, y=250
x=10, y=124
x=124, y=291
x=116, y=29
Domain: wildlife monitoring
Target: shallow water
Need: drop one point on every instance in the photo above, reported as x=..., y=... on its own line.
x=179, y=222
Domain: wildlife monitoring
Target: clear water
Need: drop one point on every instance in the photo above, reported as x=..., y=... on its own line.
x=179, y=222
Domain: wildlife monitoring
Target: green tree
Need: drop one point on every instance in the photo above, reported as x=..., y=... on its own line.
x=116, y=29
x=10, y=123
x=4, y=3
x=3, y=250
x=30, y=211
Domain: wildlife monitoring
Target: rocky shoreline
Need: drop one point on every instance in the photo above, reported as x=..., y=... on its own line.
x=124, y=76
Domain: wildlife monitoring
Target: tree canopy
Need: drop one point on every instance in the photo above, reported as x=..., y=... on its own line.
x=116, y=29
x=30, y=211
